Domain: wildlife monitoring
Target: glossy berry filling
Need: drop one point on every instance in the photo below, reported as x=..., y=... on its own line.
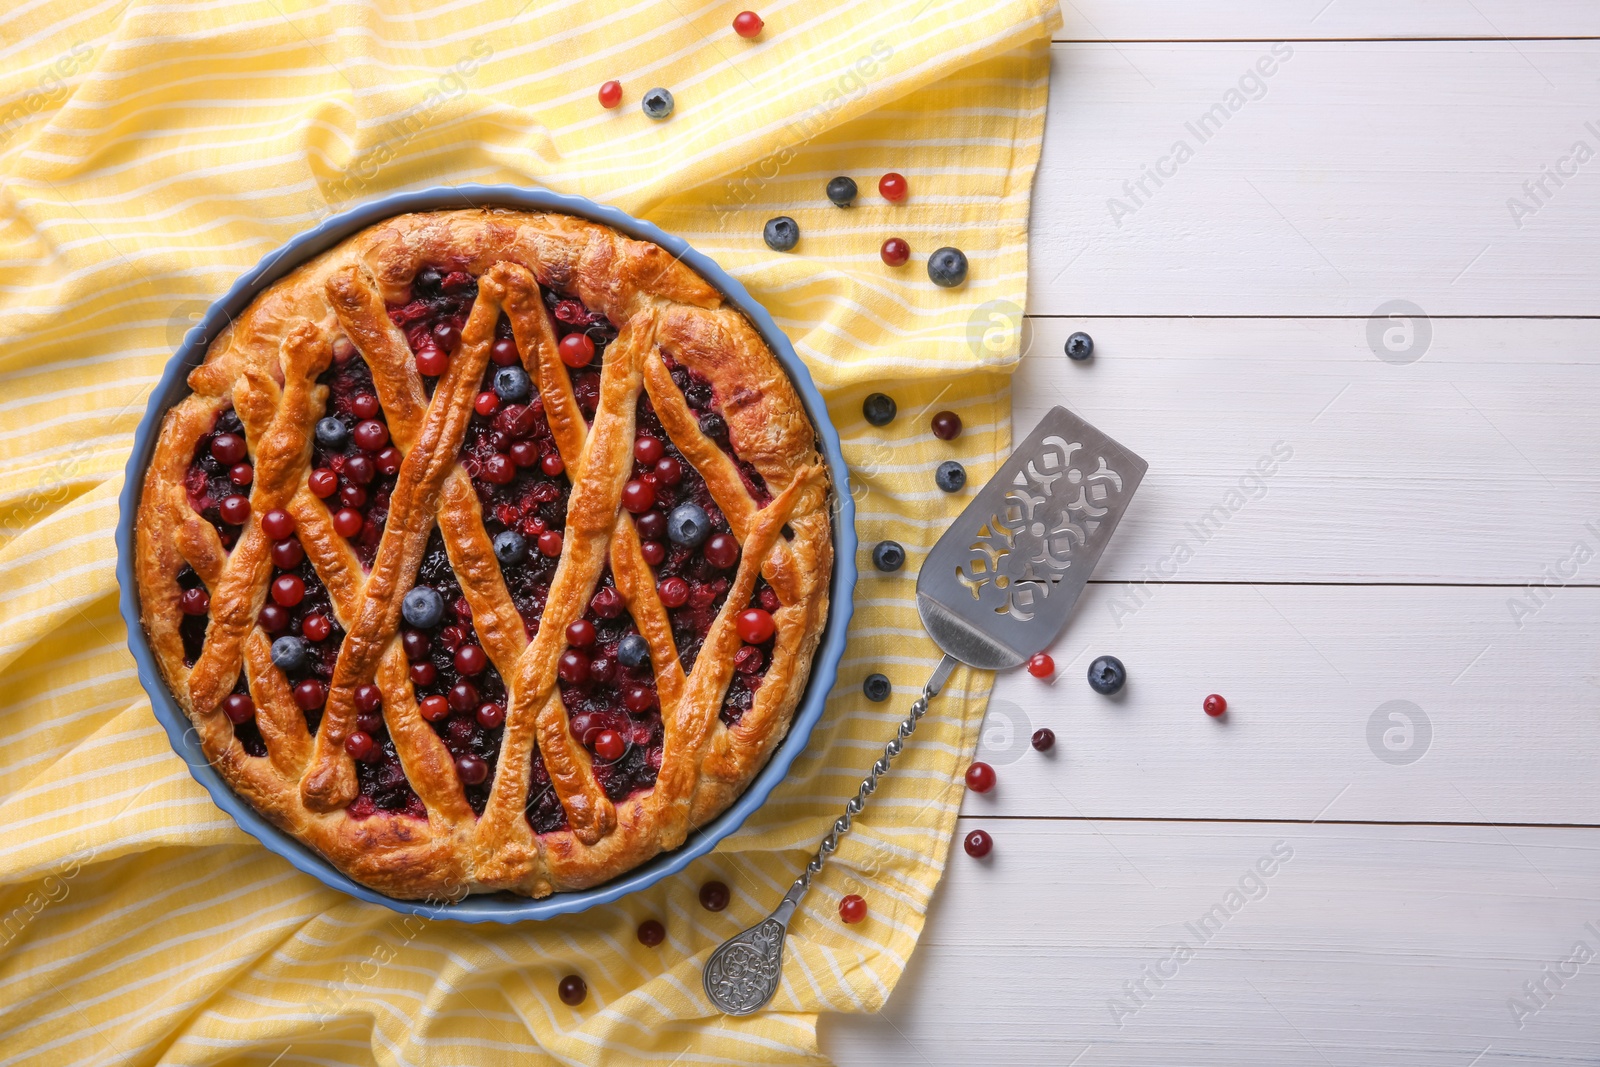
x=603, y=697
x=365, y=475
x=571, y=316
x=750, y=663
x=433, y=317
x=247, y=733
x=208, y=482
x=193, y=627
x=697, y=392
x=312, y=619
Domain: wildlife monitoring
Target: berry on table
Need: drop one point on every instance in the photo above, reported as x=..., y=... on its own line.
x=852, y=909
x=892, y=187
x=980, y=777
x=842, y=191
x=651, y=933
x=888, y=556
x=947, y=426
x=947, y=267
x=1107, y=675
x=895, y=252
x=657, y=103
x=610, y=97
x=877, y=688
x=747, y=24
x=714, y=896
x=1040, y=665
x=573, y=990
x=1044, y=739
x=878, y=409
x=781, y=234
x=950, y=476
x=978, y=844
x=1215, y=705
x=1080, y=346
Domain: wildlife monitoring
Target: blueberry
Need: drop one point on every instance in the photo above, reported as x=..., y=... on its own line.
x=781, y=234
x=950, y=476
x=842, y=191
x=331, y=433
x=1107, y=675
x=510, y=547
x=713, y=426
x=429, y=278
x=657, y=103
x=512, y=384
x=290, y=655
x=876, y=687
x=888, y=556
x=878, y=409
x=947, y=267
x=688, y=525
x=633, y=651
x=422, y=608
x=1080, y=346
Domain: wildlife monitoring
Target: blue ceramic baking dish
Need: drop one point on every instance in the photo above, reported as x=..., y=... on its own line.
x=173, y=387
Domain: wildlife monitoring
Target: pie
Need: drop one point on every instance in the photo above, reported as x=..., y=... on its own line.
x=489, y=552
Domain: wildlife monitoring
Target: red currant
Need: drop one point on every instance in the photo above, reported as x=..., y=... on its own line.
x=668, y=471
x=1215, y=705
x=610, y=94
x=235, y=510
x=288, y=590
x=714, y=896
x=755, y=626
x=432, y=363
x=287, y=555
x=580, y=633
x=353, y=496
x=194, y=601
x=674, y=592
x=310, y=694
x=747, y=24
x=892, y=186
x=607, y=603
x=1044, y=739
x=653, y=552
x=371, y=435
x=978, y=844
x=316, y=626
x=638, y=496
x=553, y=464
x=359, y=470
x=470, y=660
x=241, y=474
x=498, y=470
x=273, y=619
x=947, y=426
x=360, y=746
x=852, y=909
x=424, y=673
x=228, y=448
x=491, y=716
x=435, y=708
x=277, y=524
x=895, y=252
x=486, y=403
x=609, y=745
x=576, y=349
x=1040, y=665
x=463, y=696
x=364, y=406
x=504, y=352
x=347, y=522
x=638, y=698
x=369, y=698
x=573, y=667
x=523, y=453
x=651, y=933
x=648, y=450
x=980, y=777
x=550, y=543
x=573, y=990
x=722, y=551
x=388, y=461
x=238, y=707
x=446, y=335
x=472, y=770
x=323, y=482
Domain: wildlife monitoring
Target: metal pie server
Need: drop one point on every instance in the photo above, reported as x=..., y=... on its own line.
x=997, y=588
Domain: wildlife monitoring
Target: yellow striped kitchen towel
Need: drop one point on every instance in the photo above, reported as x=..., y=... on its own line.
x=153, y=150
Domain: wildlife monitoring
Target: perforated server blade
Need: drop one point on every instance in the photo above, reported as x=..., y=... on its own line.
x=997, y=588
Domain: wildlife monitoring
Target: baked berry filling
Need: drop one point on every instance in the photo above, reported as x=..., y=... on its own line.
x=353, y=462
x=195, y=603
x=608, y=687
x=298, y=619
x=219, y=476
x=750, y=663
x=581, y=339
x=432, y=318
x=241, y=712
x=697, y=392
x=458, y=689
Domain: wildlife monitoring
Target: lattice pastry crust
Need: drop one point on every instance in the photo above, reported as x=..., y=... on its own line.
x=266, y=367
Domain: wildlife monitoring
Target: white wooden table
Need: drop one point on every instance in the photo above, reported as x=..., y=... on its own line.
x=1434, y=894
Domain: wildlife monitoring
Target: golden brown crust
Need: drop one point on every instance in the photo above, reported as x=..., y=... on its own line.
x=266, y=366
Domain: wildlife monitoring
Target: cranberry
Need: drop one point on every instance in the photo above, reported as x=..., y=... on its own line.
x=852, y=909
x=353, y=496
x=978, y=844
x=288, y=590
x=434, y=708
x=416, y=644
x=486, y=403
x=755, y=626
x=446, y=335
x=749, y=660
x=424, y=673
x=239, y=708
x=370, y=723
x=470, y=660
x=895, y=252
x=947, y=426
x=610, y=94
x=310, y=694
x=287, y=555
x=580, y=633
x=552, y=464
x=499, y=470
x=451, y=638
x=668, y=471
x=361, y=746
x=518, y=420
x=524, y=453
x=194, y=601
x=368, y=698
x=323, y=482
x=747, y=24
x=364, y=406
x=722, y=551
x=572, y=990
x=769, y=598
x=388, y=461
x=576, y=349
x=638, y=698
x=491, y=716
x=714, y=896
x=432, y=363
x=609, y=745
x=316, y=627
x=371, y=435
x=1040, y=665
x=273, y=619
x=550, y=543
x=980, y=777
x=1044, y=739
x=573, y=667
x=648, y=450
x=343, y=349
x=892, y=187
x=1215, y=705
x=504, y=352
x=651, y=933
x=235, y=510
x=463, y=696
x=638, y=496
x=652, y=525
x=277, y=524
x=472, y=769
x=653, y=552
x=607, y=603
x=241, y=474
x=228, y=448
x=347, y=522
x=674, y=592
x=359, y=469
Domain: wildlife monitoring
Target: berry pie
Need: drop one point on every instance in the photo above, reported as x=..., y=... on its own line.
x=489, y=552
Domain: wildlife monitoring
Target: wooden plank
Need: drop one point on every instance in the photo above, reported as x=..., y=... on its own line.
x=1184, y=20
x=1472, y=464
x=1355, y=174
x=1381, y=946
x=1498, y=723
